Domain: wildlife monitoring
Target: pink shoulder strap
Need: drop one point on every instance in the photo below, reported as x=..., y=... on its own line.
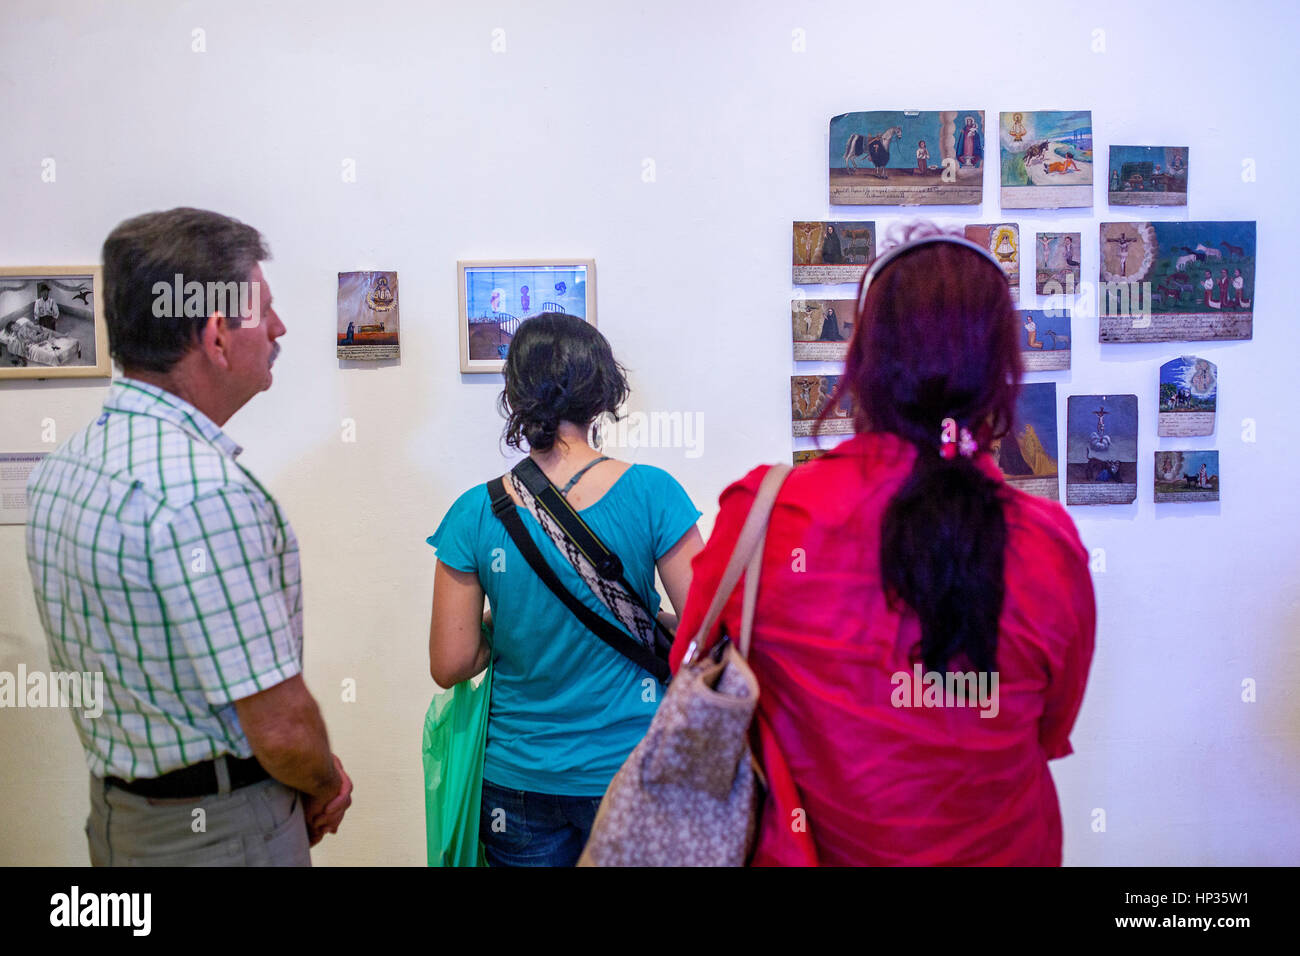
x=746, y=556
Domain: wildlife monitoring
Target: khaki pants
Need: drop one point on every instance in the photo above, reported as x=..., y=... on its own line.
x=258, y=825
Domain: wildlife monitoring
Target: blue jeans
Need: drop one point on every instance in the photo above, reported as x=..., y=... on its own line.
x=523, y=828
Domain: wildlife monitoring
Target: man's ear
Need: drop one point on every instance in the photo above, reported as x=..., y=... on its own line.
x=214, y=339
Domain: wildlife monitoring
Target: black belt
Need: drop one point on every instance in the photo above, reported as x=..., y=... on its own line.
x=196, y=780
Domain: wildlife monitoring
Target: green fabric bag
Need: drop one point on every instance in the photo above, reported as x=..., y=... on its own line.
x=455, y=733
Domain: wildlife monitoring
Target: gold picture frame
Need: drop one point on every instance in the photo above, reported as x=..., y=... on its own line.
x=497, y=294
x=67, y=337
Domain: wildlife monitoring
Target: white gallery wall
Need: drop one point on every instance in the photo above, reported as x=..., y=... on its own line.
x=673, y=142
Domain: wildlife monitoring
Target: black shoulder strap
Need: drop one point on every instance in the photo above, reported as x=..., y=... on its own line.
x=503, y=506
x=607, y=564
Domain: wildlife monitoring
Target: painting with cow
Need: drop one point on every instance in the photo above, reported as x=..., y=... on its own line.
x=829, y=253
x=1045, y=159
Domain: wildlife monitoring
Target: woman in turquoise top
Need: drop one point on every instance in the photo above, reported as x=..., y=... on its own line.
x=566, y=708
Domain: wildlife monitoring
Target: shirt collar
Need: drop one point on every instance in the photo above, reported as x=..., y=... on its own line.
x=133, y=396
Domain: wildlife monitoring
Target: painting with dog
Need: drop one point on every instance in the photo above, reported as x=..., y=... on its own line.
x=1191, y=475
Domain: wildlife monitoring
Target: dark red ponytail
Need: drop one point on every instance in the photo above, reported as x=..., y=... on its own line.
x=936, y=337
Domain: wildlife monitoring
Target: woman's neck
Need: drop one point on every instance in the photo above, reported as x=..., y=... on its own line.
x=571, y=449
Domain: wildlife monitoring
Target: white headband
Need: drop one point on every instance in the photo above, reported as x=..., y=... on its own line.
x=897, y=251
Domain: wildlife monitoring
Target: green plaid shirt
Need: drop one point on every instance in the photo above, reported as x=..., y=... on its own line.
x=160, y=562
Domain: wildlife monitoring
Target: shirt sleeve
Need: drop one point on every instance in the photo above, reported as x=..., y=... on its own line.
x=1068, y=675
x=708, y=566
x=216, y=570
x=672, y=513
x=456, y=540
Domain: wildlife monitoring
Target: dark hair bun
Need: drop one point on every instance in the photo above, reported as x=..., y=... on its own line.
x=559, y=369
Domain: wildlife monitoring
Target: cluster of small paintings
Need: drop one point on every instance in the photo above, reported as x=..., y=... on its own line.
x=1027, y=454
x=1186, y=476
x=1189, y=388
x=822, y=328
x=936, y=157
x=1056, y=263
x=1148, y=176
x=1101, y=440
x=1101, y=449
x=1046, y=159
x=368, y=317
x=1045, y=339
x=1176, y=281
x=52, y=323
x=1158, y=282
x=1002, y=239
x=495, y=297
x=907, y=158
x=809, y=396
x=832, y=252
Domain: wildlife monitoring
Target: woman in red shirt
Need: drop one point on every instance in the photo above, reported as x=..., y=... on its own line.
x=899, y=555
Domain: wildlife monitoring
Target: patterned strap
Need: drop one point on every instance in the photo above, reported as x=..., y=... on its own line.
x=504, y=508
x=625, y=607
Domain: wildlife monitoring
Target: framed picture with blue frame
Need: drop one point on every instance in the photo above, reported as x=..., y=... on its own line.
x=497, y=295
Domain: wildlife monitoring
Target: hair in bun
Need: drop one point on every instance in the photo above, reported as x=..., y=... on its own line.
x=559, y=369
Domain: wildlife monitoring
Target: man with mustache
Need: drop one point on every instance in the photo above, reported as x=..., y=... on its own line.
x=160, y=562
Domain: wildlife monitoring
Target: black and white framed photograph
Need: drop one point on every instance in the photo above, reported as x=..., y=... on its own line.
x=52, y=323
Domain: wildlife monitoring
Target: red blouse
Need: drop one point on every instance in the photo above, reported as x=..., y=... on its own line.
x=853, y=778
